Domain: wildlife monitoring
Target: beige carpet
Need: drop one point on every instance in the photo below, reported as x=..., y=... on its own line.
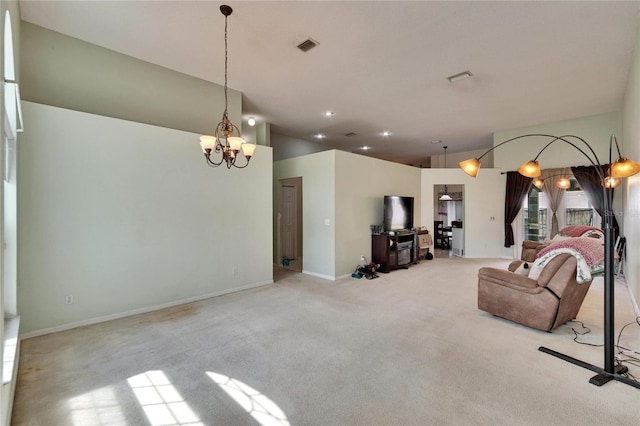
x=407, y=348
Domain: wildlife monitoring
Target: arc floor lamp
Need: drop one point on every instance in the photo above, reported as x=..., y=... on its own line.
x=621, y=168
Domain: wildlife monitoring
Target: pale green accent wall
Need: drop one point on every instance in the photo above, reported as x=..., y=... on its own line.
x=595, y=130
x=62, y=71
x=318, y=210
x=288, y=147
x=631, y=148
x=263, y=134
x=125, y=216
x=342, y=196
x=483, y=200
x=361, y=184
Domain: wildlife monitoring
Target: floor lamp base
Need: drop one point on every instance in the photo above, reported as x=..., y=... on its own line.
x=602, y=377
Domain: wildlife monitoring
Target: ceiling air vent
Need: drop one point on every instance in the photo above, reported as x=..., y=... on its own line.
x=307, y=45
x=349, y=134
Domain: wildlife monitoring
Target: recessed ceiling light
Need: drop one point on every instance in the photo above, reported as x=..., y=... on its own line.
x=436, y=141
x=251, y=121
x=328, y=113
x=320, y=136
x=365, y=148
x=459, y=76
x=386, y=133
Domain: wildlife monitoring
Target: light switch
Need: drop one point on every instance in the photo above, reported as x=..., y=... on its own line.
x=327, y=222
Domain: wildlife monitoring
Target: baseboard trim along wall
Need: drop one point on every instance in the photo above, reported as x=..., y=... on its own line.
x=634, y=302
x=139, y=311
x=314, y=274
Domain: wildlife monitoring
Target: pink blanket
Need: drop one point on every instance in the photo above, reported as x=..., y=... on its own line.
x=581, y=231
x=591, y=249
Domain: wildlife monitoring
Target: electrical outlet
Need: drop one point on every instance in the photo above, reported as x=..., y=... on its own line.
x=234, y=271
x=68, y=300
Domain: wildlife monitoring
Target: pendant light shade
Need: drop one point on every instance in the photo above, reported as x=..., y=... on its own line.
x=623, y=168
x=530, y=169
x=470, y=166
x=538, y=183
x=563, y=183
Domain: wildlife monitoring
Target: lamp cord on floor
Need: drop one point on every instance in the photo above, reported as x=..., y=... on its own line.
x=622, y=351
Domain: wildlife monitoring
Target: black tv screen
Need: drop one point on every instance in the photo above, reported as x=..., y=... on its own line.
x=398, y=213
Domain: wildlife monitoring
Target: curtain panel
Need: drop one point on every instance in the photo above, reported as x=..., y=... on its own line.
x=516, y=189
x=554, y=193
x=591, y=184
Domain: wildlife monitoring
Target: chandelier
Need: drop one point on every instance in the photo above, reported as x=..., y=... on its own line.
x=226, y=143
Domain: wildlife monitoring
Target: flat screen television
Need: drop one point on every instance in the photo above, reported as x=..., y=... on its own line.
x=398, y=213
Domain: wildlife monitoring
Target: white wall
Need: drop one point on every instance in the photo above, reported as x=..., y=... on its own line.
x=483, y=200
x=126, y=217
x=631, y=148
x=361, y=184
x=595, y=130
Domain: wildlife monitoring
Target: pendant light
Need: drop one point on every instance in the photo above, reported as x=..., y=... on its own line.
x=445, y=196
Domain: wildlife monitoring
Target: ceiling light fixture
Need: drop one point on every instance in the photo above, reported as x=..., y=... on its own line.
x=386, y=133
x=320, y=136
x=445, y=196
x=251, y=121
x=226, y=130
x=328, y=113
x=460, y=76
x=366, y=148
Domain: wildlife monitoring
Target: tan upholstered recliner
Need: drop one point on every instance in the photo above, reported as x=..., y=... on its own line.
x=551, y=300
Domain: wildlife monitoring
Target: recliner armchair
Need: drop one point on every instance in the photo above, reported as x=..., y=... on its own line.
x=544, y=303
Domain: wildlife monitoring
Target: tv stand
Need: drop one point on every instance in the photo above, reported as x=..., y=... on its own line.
x=394, y=251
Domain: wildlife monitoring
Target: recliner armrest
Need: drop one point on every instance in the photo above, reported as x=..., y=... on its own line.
x=509, y=279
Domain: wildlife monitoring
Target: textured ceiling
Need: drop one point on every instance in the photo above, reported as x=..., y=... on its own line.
x=380, y=66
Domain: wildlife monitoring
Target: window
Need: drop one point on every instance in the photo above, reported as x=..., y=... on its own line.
x=575, y=209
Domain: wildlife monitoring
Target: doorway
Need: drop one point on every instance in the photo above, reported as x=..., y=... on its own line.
x=449, y=215
x=290, y=241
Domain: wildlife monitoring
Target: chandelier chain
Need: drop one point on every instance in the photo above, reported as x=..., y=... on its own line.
x=225, y=66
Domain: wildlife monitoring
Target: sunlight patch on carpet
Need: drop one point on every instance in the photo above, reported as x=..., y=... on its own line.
x=96, y=408
x=161, y=402
x=262, y=409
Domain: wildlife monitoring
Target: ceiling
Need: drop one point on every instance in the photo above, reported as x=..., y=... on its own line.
x=380, y=66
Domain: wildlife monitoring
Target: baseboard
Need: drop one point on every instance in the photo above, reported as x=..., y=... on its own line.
x=634, y=302
x=314, y=274
x=139, y=311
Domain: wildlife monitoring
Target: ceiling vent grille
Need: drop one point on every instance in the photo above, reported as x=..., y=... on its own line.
x=349, y=134
x=307, y=45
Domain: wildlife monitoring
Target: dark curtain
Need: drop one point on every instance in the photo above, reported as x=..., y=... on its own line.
x=591, y=184
x=517, y=189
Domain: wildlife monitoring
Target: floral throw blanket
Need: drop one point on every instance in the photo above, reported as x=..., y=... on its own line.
x=588, y=251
